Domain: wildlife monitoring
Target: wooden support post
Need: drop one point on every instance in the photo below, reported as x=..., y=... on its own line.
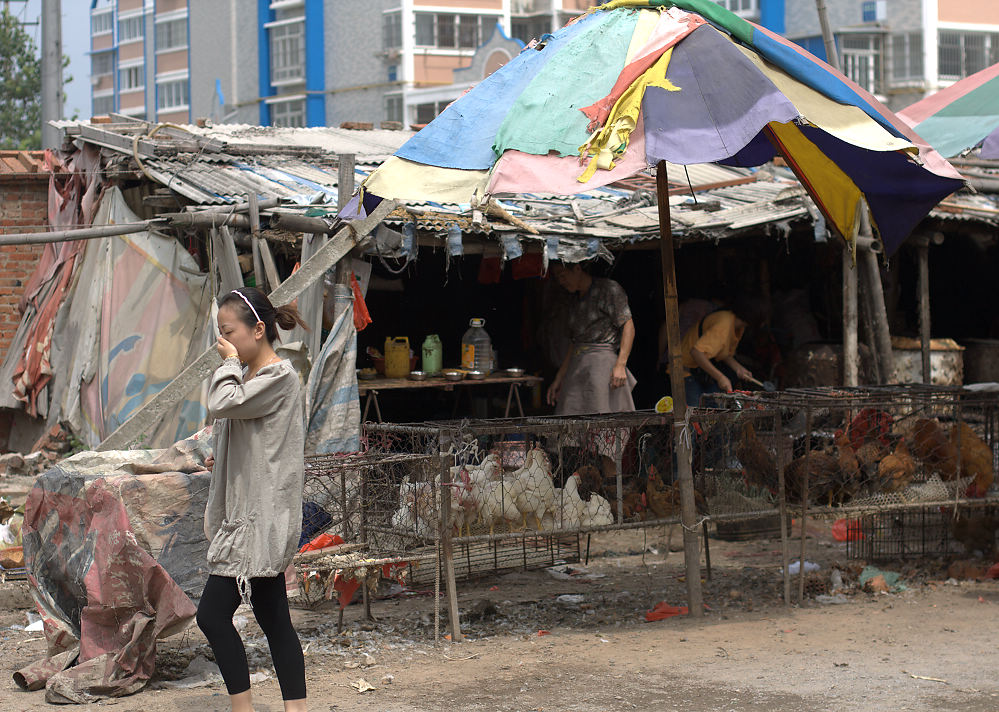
x=226, y=259
x=447, y=551
x=870, y=275
x=923, y=255
x=149, y=414
x=688, y=510
x=310, y=304
x=851, y=370
x=345, y=189
x=270, y=268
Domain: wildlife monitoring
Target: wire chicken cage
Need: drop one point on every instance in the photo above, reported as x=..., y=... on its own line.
x=903, y=464
x=880, y=447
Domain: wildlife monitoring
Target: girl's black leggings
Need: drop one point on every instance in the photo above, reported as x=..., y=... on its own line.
x=269, y=600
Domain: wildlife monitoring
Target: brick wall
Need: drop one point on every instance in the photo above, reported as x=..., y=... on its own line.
x=23, y=206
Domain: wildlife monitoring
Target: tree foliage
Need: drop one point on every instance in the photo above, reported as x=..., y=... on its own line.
x=20, y=86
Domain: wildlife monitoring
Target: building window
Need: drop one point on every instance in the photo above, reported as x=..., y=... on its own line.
x=907, y=56
x=288, y=51
x=743, y=8
x=964, y=53
x=449, y=31
x=103, y=105
x=172, y=95
x=425, y=113
x=130, y=29
x=101, y=63
x=130, y=78
x=393, y=107
x=861, y=60
x=288, y=113
x=392, y=30
x=101, y=23
x=526, y=29
x=171, y=34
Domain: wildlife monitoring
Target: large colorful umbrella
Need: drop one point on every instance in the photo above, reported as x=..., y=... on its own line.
x=633, y=82
x=961, y=116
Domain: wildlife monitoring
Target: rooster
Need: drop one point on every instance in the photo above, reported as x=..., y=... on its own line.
x=869, y=425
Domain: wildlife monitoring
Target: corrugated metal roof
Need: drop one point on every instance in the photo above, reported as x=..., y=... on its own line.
x=367, y=145
x=22, y=162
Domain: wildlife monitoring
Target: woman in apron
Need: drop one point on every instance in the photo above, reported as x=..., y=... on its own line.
x=594, y=375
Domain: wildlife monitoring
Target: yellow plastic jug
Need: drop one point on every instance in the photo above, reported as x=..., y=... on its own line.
x=397, y=357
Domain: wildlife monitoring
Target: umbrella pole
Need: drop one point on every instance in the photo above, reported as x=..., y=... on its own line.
x=688, y=511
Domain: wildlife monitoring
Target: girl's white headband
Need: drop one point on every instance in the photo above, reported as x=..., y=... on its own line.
x=243, y=297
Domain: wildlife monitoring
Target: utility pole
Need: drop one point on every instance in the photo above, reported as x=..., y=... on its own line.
x=52, y=98
x=827, y=36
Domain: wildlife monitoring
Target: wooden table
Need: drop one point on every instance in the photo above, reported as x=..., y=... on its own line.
x=371, y=388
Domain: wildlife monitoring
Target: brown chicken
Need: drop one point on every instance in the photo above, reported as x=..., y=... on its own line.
x=931, y=446
x=976, y=458
x=822, y=468
x=664, y=500
x=848, y=480
x=896, y=470
x=870, y=455
x=758, y=463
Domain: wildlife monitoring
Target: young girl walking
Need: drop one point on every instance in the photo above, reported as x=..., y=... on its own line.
x=254, y=514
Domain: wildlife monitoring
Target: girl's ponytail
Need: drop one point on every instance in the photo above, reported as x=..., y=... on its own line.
x=287, y=317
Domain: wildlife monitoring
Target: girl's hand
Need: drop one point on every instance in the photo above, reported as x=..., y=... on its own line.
x=210, y=462
x=619, y=376
x=225, y=349
x=743, y=373
x=724, y=384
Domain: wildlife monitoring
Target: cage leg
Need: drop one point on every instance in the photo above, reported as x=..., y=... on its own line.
x=707, y=552
x=366, y=597
x=339, y=622
x=587, y=562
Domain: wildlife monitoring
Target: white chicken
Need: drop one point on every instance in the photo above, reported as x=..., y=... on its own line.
x=464, y=505
x=568, y=504
x=597, y=512
x=499, y=503
x=536, y=497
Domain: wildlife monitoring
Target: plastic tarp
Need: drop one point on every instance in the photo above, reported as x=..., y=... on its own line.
x=114, y=546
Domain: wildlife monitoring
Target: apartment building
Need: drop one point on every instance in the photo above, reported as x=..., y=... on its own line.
x=140, y=60
x=901, y=50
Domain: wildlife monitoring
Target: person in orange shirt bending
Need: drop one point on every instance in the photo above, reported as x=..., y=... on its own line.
x=708, y=349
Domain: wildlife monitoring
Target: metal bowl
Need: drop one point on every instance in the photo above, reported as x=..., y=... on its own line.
x=514, y=372
x=452, y=375
x=417, y=376
x=476, y=375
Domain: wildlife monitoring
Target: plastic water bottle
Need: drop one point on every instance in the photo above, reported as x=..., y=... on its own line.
x=477, y=347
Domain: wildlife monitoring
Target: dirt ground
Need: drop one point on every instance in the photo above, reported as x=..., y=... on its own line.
x=749, y=652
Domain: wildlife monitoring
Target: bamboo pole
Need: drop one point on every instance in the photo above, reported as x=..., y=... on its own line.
x=688, y=510
x=89, y=233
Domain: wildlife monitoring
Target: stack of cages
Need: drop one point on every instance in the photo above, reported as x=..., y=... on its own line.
x=908, y=468
x=350, y=523
x=522, y=493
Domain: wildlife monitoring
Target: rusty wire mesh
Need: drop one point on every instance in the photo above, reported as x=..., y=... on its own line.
x=370, y=502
